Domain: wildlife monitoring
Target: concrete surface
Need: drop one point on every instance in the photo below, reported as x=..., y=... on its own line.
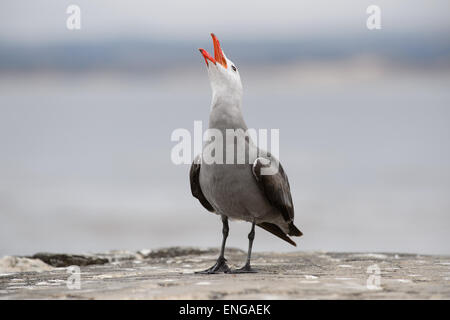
x=169, y=274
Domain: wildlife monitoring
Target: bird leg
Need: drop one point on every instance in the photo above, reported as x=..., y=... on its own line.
x=221, y=264
x=247, y=268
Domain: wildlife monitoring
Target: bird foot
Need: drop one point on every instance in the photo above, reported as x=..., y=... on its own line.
x=219, y=267
x=245, y=269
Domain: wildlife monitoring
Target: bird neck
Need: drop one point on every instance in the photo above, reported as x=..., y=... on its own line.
x=226, y=113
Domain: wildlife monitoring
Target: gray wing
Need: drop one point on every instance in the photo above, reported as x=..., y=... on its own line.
x=275, y=187
x=277, y=190
x=194, y=177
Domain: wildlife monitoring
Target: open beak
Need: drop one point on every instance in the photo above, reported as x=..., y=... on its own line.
x=218, y=53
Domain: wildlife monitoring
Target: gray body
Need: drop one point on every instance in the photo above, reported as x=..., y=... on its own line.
x=236, y=191
x=232, y=189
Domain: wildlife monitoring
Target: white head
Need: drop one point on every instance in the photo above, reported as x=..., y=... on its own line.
x=223, y=75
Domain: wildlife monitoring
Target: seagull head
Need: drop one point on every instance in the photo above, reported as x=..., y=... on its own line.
x=223, y=74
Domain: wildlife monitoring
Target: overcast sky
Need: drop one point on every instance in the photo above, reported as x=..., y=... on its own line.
x=44, y=20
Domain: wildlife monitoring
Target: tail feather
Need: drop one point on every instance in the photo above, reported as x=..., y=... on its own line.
x=274, y=229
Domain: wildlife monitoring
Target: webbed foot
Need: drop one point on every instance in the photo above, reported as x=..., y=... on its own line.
x=245, y=269
x=219, y=267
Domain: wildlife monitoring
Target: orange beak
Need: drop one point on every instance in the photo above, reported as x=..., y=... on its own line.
x=218, y=54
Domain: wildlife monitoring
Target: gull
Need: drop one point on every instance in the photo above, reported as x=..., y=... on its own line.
x=240, y=190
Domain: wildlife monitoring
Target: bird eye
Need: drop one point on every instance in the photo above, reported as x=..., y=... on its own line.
x=233, y=67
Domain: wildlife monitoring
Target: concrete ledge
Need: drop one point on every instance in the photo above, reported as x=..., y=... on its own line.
x=169, y=274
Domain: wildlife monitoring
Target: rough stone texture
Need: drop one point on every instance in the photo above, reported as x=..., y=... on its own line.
x=65, y=260
x=17, y=264
x=169, y=274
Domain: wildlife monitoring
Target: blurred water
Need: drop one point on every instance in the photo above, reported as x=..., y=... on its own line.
x=85, y=161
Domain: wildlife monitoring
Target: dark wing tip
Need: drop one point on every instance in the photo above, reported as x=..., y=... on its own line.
x=274, y=229
x=293, y=230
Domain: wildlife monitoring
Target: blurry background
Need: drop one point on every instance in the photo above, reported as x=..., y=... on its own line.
x=86, y=118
